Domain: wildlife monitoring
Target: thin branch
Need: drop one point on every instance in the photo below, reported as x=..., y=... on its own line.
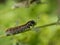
x=55, y=23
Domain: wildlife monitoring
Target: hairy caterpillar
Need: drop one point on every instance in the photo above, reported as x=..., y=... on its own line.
x=20, y=29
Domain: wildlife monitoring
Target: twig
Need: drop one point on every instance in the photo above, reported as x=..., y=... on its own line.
x=55, y=23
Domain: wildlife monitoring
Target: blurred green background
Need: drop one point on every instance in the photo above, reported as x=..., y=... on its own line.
x=44, y=13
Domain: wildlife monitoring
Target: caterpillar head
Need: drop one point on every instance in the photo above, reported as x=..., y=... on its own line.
x=31, y=23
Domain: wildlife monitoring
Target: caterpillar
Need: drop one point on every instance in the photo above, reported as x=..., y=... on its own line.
x=20, y=29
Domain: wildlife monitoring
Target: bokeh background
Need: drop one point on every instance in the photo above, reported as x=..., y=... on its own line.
x=43, y=13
